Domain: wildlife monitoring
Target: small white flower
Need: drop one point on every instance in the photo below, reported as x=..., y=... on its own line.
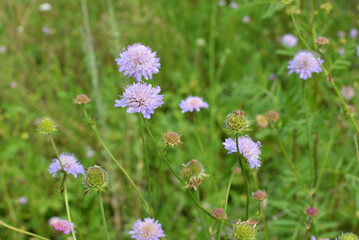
x=45, y=7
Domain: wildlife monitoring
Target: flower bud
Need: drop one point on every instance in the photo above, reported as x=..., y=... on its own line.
x=311, y=212
x=217, y=213
x=322, y=41
x=272, y=116
x=262, y=121
x=259, y=195
x=244, y=230
x=46, y=126
x=237, y=122
x=95, y=179
x=171, y=138
x=348, y=236
x=193, y=172
x=82, y=99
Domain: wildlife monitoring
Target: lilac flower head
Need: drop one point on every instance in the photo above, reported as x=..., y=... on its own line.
x=149, y=229
x=140, y=97
x=358, y=50
x=69, y=162
x=192, y=103
x=353, y=32
x=249, y=149
x=63, y=226
x=348, y=92
x=138, y=61
x=289, y=40
x=313, y=238
x=305, y=63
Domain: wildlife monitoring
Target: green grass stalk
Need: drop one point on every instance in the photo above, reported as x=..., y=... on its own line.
x=103, y=214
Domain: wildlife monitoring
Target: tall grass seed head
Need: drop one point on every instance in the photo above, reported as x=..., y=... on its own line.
x=138, y=61
x=46, y=126
x=95, y=179
x=171, y=138
x=237, y=122
x=348, y=236
x=82, y=99
x=245, y=230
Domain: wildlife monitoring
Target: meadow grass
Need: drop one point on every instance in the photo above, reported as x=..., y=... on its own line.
x=309, y=156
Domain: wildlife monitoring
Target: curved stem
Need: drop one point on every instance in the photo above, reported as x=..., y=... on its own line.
x=147, y=207
x=103, y=214
x=225, y=204
x=22, y=231
x=146, y=159
x=245, y=176
x=68, y=212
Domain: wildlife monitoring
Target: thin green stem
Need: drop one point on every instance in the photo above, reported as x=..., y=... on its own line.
x=68, y=212
x=299, y=178
x=245, y=176
x=203, y=225
x=146, y=158
x=264, y=223
x=22, y=231
x=103, y=214
x=57, y=153
x=147, y=207
x=225, y=204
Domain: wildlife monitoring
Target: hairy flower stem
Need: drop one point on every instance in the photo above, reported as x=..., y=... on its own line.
x=264, y=223
x=176, y=175
x=148, y=209
x=308, y=227
x=226, y=202
x=68, y=212
x=245, y=176
x=203, y=225
x=103, y=213
x=146, y=158
x=22, y=231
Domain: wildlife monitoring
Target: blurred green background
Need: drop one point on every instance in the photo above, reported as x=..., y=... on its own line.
x=43, y=69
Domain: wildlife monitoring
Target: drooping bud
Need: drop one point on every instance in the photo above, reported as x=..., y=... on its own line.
x=194, y=173
x=272, y=116
x=95, y=179
x=237, y=122
x=245, y=230
x=311, y=212
x=348, y=236
x=82, y=99
x=262, y=121
x=259, y=195
x=171, y=138
x=46, y=126
x=217, y=213
x=322, y=41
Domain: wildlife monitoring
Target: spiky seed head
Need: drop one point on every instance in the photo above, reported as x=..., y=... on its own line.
x=322, y=41
x=195, y=166
x=171, y=138
x=259, y=195
x=46, y=126
x=244, y=231
x=194, y=173
x=95, y=179
x=311, y=212
x=348, y=236
x=272, y=116
x=82, y=99
x=217, y=213
x=237, y=122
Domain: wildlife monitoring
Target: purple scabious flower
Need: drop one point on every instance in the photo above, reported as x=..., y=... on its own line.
x=249, y=149
x=289, y=40
x=138, y=61
x=149, y=229
x=192, y=103
x=70, y=163
x=305, y=63
x=353, y=32
x=140, y=97
x=63, y=226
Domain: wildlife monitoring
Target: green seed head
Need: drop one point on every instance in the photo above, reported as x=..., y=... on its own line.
x=95, y=179
x=46, y=126
x=195, y=167
x=244, y=231
x=237, y=122
x=348, y=236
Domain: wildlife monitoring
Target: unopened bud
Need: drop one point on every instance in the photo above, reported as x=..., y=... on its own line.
x=259, y=195
x=82, y=99
x=311, y=212
x=46, y=126
x=262, y=121
x=237, y=122
x=171, y=138
x=217, y=213
x=322, y=41
x=272, y=116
